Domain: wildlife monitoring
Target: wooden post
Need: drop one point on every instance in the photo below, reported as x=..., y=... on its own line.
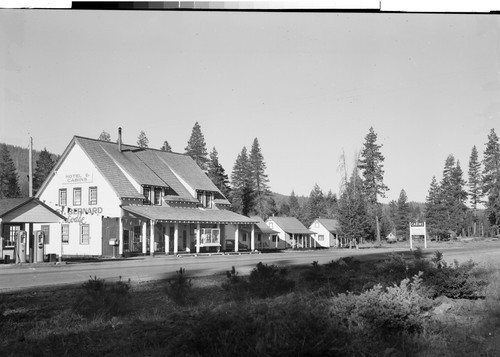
x=120, y=236
x=152, y=238
x=167, y=238
x=144, y=238
x=252, y=238
x=236, y=237
x=176, y=238
x=198, y=237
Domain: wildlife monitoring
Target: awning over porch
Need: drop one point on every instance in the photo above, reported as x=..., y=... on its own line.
x=188, y=215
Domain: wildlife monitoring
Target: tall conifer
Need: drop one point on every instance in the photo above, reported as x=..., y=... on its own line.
x=9, y=180
x=217, y=174
x=491, y=180
x=166, y=147
x=44, y=165
x=242, y=194
x=474, y=185
x=371, y=164
x=403, y=216
x=259, y=179
x=196, y=147
x=142, y=140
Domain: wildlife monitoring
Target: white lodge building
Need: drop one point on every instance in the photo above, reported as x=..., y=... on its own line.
x=147, y=200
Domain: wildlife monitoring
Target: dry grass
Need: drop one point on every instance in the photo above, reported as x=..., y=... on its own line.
x=44, y=323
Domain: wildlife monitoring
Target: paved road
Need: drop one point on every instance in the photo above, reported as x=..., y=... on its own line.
x=14, y=278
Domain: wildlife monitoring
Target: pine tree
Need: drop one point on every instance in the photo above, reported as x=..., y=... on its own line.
x=166, y=147
x=353, y=211
x=104, y=136
x=393, y=214
x=474, y=178
x=259, y=179
x=434, y=211
x=371, y=164
x=403, y=216
x=197, y=148
x=242, y=194
x=9, y=180
x=142, y=140
x=458, y=205
x=316, y=205
x=332, y=205
x=217, y=174
x=294, y=206
x=491, y=180
x=44, y=165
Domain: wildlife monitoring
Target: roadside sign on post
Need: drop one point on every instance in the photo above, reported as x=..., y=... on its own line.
x=418, y=229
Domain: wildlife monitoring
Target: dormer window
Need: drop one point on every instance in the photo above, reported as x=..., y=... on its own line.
x=146, y=191
x=157, y=196
x=205, y=198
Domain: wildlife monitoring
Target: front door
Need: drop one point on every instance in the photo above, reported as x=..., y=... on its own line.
x=110, y=227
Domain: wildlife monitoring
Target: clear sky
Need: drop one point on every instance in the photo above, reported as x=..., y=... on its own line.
x=307, y=85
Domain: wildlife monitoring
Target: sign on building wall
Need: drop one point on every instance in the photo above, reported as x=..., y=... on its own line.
x=418, y=229
x=79, y=178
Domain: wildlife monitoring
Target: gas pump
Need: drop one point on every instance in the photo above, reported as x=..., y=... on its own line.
x=39, y=245
x=21, y=247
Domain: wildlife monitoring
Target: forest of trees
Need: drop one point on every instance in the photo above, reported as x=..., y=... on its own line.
x=454, y=206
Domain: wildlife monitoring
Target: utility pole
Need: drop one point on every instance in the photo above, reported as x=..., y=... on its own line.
x=30, y=169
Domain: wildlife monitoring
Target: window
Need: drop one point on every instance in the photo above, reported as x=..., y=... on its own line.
x=65, y=233
x=146, y=191
x=92, y=195
x=270, y=224
x=157, y=196
x=46, y=232
x=244, y=239
x=273, y=238
x=208, y=199
x=84, y=234
x=77, y=196
x=63, y=197
x=321, y=237
x=205, y=198
x=210, y=236
x=316, y=224
x=259, y=237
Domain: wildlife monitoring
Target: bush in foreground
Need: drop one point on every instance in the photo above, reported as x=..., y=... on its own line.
x=180, y=288
x=103, y=299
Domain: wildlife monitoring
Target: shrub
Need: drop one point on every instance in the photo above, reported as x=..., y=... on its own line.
x=179, y=289
x=457, y=281
x=269, y=280
x=379, y=311
x=101, y=298
x=236, y=286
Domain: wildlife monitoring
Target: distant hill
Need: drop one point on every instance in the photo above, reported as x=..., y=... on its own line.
x=280, y=199
x=20, y=156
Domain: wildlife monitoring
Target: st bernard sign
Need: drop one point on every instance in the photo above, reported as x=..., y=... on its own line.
x=418, y=229
x=78, y=178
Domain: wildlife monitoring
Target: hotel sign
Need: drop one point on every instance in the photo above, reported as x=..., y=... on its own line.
x=77, y=178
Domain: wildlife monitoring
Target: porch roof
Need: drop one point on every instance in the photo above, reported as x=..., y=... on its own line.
x=174, y=214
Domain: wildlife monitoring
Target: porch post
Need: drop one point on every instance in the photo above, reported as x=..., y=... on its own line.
x=60, y=245
x=176, y=238
x=167, y=238
x=152, y=238
x=236, y=237
x=252, y=238
x=198, y=235
x=144, y=237
x=120, y=236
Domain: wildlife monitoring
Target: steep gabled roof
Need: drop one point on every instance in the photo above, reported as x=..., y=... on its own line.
x=332, y=225
x=290, y=225
x=262, y=226
x=147, y=167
